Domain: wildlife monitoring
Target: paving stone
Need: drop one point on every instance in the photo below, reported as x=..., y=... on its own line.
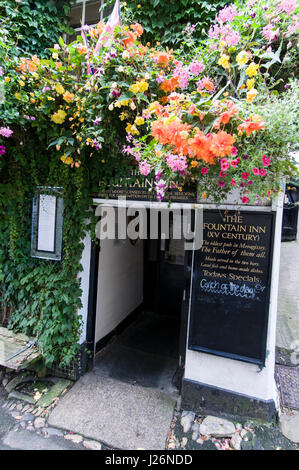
x=39, y=423
x=21, y=396
x=25, y=408
x=92, y=445
x=12, y=407
x=11, y=385
x=236, y=441
x=16, y=415
x=290, y=426
x=217, y=427
x=5, y=382
x=30, y=428
x=19, y=407
x=187, y=420
x=28, y=417
x=54, y=392
x=76, y=438
x=49, y=432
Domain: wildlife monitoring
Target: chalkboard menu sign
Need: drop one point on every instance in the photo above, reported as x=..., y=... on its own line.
x=231, y=285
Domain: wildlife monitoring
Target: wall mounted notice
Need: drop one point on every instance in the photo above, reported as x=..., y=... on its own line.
x=46, y=223
x=231, y=285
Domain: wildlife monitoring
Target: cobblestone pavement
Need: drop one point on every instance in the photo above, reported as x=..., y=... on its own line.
x=25, y=427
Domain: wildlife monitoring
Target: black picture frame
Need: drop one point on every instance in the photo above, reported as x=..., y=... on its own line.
x=53, y=194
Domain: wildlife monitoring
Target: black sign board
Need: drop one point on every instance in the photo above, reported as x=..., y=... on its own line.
x=231, y=285
x=136, y=187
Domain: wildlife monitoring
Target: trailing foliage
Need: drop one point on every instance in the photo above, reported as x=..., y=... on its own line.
x=34, y=25
x=92, y=110
x=168, y=21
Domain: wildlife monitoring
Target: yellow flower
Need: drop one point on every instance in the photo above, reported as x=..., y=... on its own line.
x=59, y=89
x=251, y=71
x=58, y=117
x=250, y=96
x=242, y=58
x=67, y=160
x=7, y=79
x=123, y=116
x=32, y=100
x=18, y=95
x=224, y=61
x=139, y=87
x=250, y=83
x=124, y=102
x=135, y=88
x=68, y=96
x=139, y=121
x=21, y=83
x=132, y=129
x=55, y=55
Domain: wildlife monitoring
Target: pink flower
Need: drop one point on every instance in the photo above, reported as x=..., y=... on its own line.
x=221, y=184
x=250, y=182
x=222, y=174
x=144, y=168
x=5, y=131
x=245, y=175
x=176, y=162
x=266, y=160
x=234, y=163
x=233, y=182
x=196, y=67
x=289, y=6
x=269, y=33
x=192, y=109
x=255, y=171
x=227, y=13
x=224, y=164
x=245, y=200
x=2, y=150
x=263, y=172
x=234, y=151
x=204, y=171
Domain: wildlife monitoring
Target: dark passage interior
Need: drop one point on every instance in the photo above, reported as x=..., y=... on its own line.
x=144, y=348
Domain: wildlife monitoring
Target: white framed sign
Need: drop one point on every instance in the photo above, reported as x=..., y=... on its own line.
x=47, y=224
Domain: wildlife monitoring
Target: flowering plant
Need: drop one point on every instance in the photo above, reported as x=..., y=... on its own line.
x=178, y=119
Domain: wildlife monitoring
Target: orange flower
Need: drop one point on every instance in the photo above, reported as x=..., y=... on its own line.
x=200, y=146
x=130, y=38
x=169, y=85
x=162, y=58
x=208, y=84
x=249, y=126
x=82, y=50
x=221, y=144
x=173, y=133
x=100, y=27
x=137, y=28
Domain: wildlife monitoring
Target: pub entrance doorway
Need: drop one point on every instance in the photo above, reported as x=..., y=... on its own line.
x=140, y=290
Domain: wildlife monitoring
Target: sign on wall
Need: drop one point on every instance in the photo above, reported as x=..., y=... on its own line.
x=47, y=221
x=231, y=285
x=136, y=187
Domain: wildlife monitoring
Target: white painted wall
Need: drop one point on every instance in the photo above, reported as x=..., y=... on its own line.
x=84, y=277
x=237, y=376
x=120, y=283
